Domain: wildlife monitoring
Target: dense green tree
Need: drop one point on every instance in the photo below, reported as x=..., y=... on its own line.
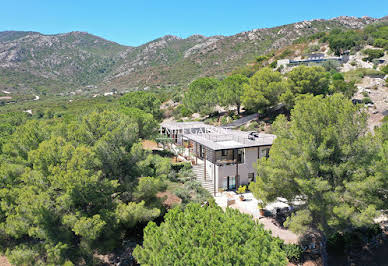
x=147, y=125
x=263, y=90
x=346, y=88
x=146, y=101
x=304, y=79
x=340, y=41
x=69, y=189
x=324, y=159
x=230, y=90
x=201, y=97
x=208, y=236
x=8, y=124
x=25, y=138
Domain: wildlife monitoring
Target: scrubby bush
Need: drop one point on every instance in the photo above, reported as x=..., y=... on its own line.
x=261, y=58
x=331, y=65
x=252, y=126
x=293, y=252
x=366, y=100
x=372, y=54
x=385, y=69
x=224, y=120
x=337, y=76
x=381, y=43
x=182, y=111
x=177, y=98
x=180, y=166
x=313, y=48
x=286, y=53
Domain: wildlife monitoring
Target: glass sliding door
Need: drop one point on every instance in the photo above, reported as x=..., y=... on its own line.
x=229, y=183
x=232, y=182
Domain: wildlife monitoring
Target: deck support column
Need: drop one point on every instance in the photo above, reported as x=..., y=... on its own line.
x=204, y=164
x=237, y=179
x=214, y=180
x=196, y=153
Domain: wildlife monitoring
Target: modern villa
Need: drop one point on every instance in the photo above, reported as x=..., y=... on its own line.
x=313, y=58
x=222, y=159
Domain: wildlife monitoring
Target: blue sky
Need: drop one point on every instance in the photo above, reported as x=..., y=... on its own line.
x=133, y=22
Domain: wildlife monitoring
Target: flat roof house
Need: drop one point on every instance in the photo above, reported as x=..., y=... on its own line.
x=221, y=158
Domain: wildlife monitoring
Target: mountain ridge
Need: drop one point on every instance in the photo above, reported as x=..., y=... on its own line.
x=63, y=62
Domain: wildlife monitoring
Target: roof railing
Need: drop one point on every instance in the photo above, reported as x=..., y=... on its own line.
x=241, y=139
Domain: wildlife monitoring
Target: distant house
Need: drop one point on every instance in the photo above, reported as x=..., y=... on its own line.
x=221, y=158
x=316, y=56
x=283, y=62
x=311, y=58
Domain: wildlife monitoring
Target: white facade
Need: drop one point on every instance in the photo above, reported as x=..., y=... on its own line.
x=246, y=170
x=226, y=158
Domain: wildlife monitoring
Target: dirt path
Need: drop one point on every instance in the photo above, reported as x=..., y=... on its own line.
x=242, y=121
x=4, y=261
x=286, y=235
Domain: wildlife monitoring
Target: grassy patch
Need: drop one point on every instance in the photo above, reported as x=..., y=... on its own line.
x=357, y=74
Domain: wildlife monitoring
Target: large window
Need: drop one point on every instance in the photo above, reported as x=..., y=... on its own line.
x=201, y=151
x=229, y=183
x=251, y=177
x=240, y=155
x=263, y=152
x=266, y=152
x=230, y=156
x=224, y=157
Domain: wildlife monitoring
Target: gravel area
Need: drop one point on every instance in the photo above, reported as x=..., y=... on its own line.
x=378, y=93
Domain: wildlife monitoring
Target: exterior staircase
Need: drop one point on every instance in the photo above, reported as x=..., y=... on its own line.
x=206, y=184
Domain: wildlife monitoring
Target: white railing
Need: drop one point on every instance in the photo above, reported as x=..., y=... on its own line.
x=241, y=139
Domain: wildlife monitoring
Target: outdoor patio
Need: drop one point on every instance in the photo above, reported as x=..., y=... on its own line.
x=250, y=206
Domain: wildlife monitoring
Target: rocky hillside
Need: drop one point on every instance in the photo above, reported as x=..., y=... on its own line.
x=55, y=62
x=30, y=61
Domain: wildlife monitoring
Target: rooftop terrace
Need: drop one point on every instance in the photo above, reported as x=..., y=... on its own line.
x=218, y=138
x=230, y=139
